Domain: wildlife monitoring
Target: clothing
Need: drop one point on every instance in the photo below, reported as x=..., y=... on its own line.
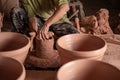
x=44, y=8
x=20, y=24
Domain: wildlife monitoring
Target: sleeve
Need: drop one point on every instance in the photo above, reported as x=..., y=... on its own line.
x=61, y=2
x=28, y=8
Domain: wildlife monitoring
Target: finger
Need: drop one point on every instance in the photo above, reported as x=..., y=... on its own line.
x=43, y=35
x=50, y=35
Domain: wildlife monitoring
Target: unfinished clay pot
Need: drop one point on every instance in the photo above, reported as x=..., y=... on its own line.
x=11, y=69
x=80, y=46
x=88, y=70
x=14, y=45
x=44, y=48
x=45, y=55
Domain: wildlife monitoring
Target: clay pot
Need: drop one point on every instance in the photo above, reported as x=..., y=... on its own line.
x=11, y=69
x=80, y=46
x=88, y=70
x=14, y=45
x=44, y=47
x=45, y=56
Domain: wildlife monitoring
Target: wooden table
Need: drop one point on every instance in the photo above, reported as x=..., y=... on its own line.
x=112, y=56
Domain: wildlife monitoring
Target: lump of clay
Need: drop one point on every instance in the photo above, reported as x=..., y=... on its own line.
x=88, y=24
x=96, y=24
x=45, y=55
x=103, y=23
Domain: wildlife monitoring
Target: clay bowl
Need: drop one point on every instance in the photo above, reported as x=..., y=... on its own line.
x=11, y=69
x=14, y=45
x=83, y=69
x=80, y=46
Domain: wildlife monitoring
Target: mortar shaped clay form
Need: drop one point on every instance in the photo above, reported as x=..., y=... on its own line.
x=45, y=56
x=83, y=69
x=80, y=46
x=14, y=45
x=11, y=69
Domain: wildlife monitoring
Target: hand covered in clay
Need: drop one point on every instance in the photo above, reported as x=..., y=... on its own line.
x=43, y=33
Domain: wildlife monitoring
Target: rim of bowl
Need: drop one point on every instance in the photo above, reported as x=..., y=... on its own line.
x=27, y=44
x=20, y=64
x=105, y=43
x=78, y=60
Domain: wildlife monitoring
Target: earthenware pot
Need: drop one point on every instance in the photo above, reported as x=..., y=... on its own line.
x=80, y=46
x=11, y=69
x=14, y=45
x=83, y=69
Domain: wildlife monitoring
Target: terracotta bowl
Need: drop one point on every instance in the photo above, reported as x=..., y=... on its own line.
x=11, y=69
x=83, y=69
x=80, y=46
x=14, y=45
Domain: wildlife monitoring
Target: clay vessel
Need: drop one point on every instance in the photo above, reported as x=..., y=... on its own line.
x=80, y=46
x=45, y=56
x=88, y=70
x=44, y=47
x=14, y=45
x=11, y=69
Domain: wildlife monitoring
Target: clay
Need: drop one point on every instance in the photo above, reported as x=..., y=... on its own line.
x=103, y=23
x=1, y=20
x=88, y=70
x=44, y=48
x=80, y=46
x=35, y=61
x=88, y=24
x=11, y=69
x=96, y=24
x=14, y=45
x=45, y=56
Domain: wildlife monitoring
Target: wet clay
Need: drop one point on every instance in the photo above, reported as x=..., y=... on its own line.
x=103, y=23
x=44, y=47
x=45, y=56
x=44, y=62
x=96, y=24
x=88, y=24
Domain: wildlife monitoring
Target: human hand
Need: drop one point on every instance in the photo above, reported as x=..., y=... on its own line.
x=44, y=32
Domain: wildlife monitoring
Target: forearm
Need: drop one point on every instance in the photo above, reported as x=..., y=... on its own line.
x=33, y=24
x=58, y=14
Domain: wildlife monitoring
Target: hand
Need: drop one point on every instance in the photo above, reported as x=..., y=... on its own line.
x=44, y=32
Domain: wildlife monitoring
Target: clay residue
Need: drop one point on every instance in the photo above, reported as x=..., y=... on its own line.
x=97, y=24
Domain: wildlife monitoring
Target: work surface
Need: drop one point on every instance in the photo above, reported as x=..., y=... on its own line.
x=112, y=56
